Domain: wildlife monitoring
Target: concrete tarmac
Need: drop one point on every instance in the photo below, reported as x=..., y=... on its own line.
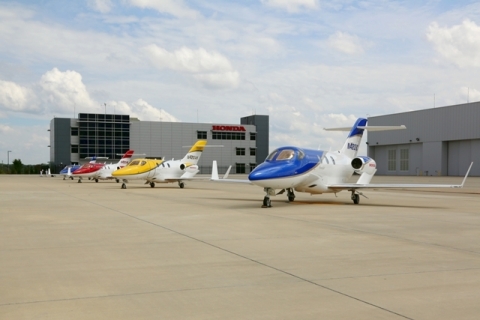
x=91, y=250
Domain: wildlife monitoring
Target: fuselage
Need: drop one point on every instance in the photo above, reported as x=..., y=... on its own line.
x=304, y=170
x=155, y=170
x=88, y=170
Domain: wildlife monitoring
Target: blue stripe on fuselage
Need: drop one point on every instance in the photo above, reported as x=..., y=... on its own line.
x=274, y=169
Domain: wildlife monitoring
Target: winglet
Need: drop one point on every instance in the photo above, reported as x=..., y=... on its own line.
x=214, y=171
x=227, y=173
x=466, y=175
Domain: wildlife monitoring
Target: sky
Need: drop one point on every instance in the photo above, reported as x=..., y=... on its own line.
x=308, y=64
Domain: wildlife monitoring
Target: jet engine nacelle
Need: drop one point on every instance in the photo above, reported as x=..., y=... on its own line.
x=364, y=165
x=190, y=168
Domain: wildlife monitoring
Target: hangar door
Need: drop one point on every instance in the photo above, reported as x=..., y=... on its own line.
x=461, y=154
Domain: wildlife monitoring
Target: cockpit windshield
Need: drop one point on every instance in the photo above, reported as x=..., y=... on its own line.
x=286, y=154
x=281, y=155
x=134, y=163
x=271, y=155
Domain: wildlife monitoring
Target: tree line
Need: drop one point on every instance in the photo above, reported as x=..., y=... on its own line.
x=17, y=167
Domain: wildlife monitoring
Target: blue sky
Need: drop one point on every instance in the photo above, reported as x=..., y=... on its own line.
x=308, y=64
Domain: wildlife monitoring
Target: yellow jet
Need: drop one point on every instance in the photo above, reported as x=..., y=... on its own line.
x=160, y=171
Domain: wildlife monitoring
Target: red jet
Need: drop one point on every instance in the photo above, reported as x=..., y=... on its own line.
x=101, y=170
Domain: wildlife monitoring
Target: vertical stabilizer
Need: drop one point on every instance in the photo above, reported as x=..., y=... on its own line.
x=194, y=154
x=350, y=148
x=125, y=159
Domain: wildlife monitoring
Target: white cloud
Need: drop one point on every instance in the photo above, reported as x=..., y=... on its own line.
x=5, y=128
x=64, y=91
x=102, y=6
x=459, y=44
x=211, y=68
x=176, y=8
x=14, y=97
x=292, y=6
x=346, y=43
x=143, y=111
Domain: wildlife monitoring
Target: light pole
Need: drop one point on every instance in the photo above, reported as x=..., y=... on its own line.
x=8, y=160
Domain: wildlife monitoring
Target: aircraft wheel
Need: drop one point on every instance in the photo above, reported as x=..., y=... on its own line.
x=71, y=178
x=152, y=184
x=291, y=198
x=117, y=180
x=356, y=198
x=266, y=202
x=124, y=186
x=79, y=180
x=181, y=185
x=96, y=180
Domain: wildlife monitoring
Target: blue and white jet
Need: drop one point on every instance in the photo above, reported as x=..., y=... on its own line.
x=290, y=169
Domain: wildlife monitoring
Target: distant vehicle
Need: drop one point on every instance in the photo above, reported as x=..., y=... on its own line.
x=160, y=171
x=292, y=169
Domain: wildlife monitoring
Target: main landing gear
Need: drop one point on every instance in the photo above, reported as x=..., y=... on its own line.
x=181, y=184
x=124, y=185
x=79, y=180
x=290, y=195
x=152, y=184
x=355, y=197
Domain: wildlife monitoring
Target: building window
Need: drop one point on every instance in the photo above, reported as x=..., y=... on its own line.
x=392, y=160
x=240, y=168
x=74, y=148
x=404, y=159
x=74, y=131
x=252, y=166
x=240, y=151
x=253, y=151
x=201, y=134
x=253, y=136
x=228, y=135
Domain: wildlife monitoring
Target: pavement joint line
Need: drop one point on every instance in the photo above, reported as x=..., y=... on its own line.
x=400, y=273
x=377, y=234
x=115, y=295
x=253, y=260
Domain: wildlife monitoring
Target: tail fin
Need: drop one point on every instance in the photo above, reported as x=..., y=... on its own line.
x=125, y=159
x=351, y=145
x=350, y=148
x=194, y=154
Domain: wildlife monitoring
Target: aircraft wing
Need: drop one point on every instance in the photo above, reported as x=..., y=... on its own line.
x=353, y=186
x=215, y=176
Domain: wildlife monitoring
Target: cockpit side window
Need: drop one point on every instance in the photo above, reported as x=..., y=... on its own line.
x=286, y=154
x=143, y=163
x=134, y=163
x=301, y=154
x=271, y=155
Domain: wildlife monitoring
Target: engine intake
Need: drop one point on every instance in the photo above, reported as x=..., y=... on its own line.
x=182, y=166
x=364, y=165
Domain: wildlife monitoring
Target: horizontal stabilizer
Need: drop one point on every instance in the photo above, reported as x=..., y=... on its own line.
x=369, y=128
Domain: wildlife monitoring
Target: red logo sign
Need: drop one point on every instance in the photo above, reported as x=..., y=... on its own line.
x=228, y=128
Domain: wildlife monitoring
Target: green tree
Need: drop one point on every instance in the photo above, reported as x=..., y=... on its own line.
x=17, y=166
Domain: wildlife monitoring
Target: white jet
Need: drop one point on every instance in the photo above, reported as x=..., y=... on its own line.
x=290, y=169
